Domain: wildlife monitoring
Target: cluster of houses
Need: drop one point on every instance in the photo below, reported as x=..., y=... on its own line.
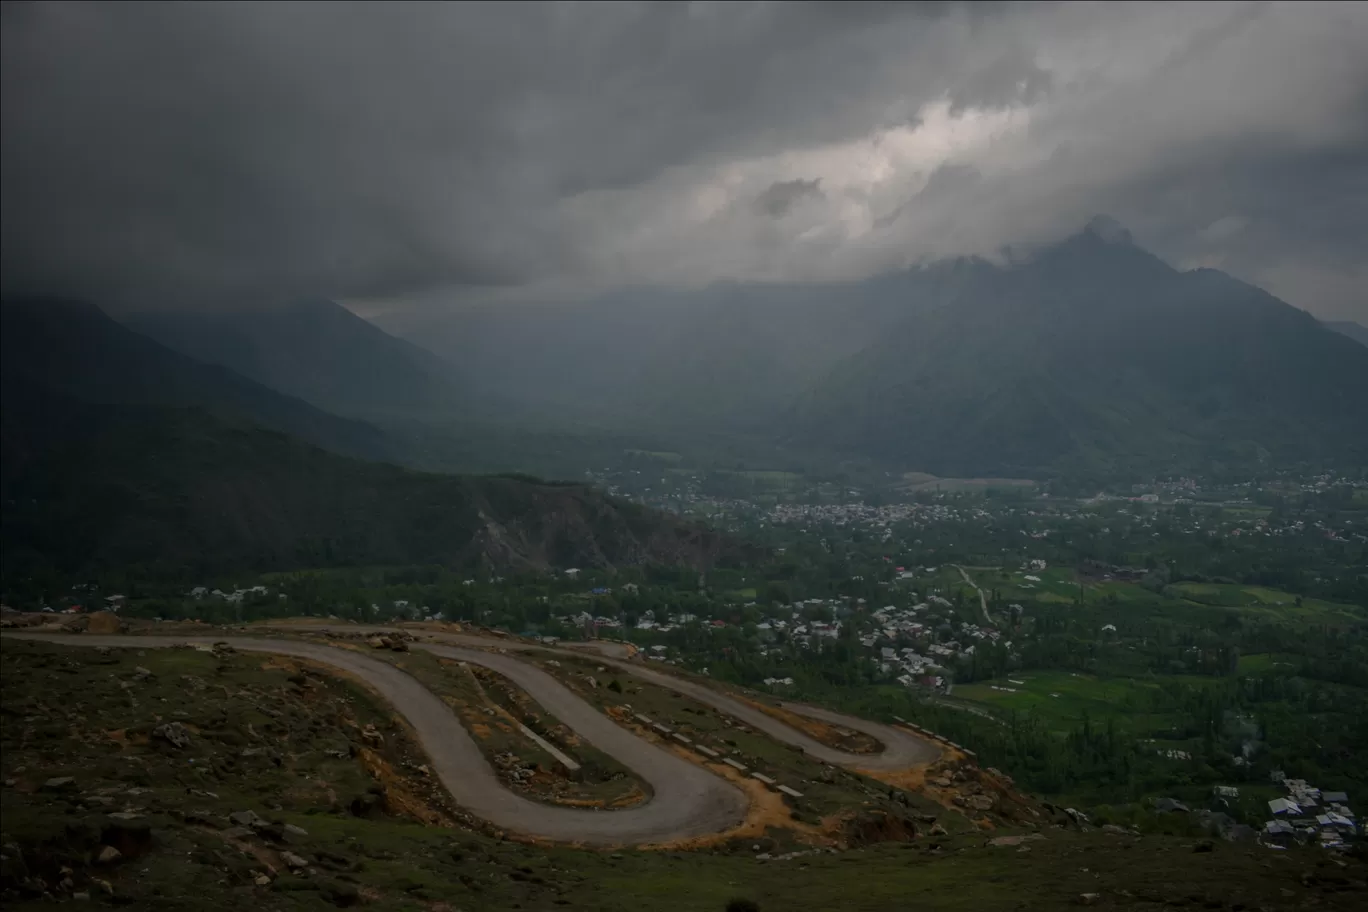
x=200, y=593
x=920, y=664
x=1308, y=815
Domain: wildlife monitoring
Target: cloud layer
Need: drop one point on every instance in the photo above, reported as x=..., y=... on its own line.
x=179, y=153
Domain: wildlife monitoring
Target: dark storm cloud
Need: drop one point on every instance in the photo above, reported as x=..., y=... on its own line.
x=781, y=196
x=174, y=153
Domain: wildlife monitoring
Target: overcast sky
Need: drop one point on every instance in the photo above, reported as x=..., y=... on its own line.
x=183, y=153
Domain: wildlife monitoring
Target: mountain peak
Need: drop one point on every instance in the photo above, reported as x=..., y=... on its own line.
x=1107, y=229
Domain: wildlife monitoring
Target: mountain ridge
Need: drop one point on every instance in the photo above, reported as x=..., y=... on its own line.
x=318, y=351
x=1091, y=354
x=76, y=348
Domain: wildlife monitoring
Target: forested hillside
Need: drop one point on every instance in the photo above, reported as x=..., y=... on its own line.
x=185, y=494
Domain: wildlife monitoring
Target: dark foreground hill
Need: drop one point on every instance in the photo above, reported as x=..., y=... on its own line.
x=170, y=492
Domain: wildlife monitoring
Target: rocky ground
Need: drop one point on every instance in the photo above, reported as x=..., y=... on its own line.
x=203, y=779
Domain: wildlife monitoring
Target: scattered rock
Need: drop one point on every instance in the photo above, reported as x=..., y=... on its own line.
x=60, y=784
x=263, y=880
x=376, y=642
x=246, y=818
x=1206, y=845
x=295, y=830
x=237, y=832
x=399, y=645
x=293, y=860
x=142, y=674
x=108, y=855
x=370, y=735
x=173, y=733
x=939, y=830
x=1014, y=840
x=80, y=896
x=341, y=893
x=1088, y=899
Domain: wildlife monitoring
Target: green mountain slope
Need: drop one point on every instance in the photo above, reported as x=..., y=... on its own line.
x=1098, y=356
x=74, y=348
x=318, y=351
x=183, y=493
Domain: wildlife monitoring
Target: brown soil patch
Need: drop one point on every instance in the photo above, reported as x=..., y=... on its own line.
x=104, y=622
x=766, y=810
x=845, y=739
x=954, y=776
x=268, y=858
x=400, y=800
x=435, y=626
x=277, y=663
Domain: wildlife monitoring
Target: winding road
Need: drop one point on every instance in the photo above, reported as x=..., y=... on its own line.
x=983, y=599
x=687, y=799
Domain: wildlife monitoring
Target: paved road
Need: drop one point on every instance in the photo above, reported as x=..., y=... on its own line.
x=983, y=599
x=687, y=799
x=901, y=749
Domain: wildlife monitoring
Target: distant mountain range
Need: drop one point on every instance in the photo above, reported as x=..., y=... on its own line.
x=1098, y=354
x=119, y=453
x=1090, y=356
x=317, y=351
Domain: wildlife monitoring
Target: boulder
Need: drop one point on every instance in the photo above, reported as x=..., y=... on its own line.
x=173, y=733
x=108, y=855
x=979, y=802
